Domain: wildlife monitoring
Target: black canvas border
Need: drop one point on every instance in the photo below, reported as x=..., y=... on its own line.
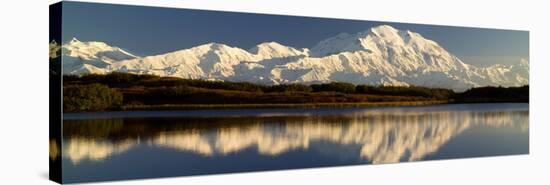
x=55, y=95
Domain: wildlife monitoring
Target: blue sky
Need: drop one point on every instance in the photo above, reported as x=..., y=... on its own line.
x=151, y=30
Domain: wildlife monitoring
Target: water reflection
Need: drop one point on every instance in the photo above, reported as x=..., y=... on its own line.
x=383, y=135
x=77, y=149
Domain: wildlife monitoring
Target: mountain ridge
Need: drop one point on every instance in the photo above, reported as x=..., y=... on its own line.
x=381, y=55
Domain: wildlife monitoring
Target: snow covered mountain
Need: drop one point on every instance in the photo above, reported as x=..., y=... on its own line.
x=90, y=57
x=381, y=55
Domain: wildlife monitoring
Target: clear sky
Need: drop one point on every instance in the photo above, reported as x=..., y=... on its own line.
x=151, y=30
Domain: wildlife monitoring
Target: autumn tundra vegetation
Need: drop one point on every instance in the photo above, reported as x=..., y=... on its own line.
x=124, y=91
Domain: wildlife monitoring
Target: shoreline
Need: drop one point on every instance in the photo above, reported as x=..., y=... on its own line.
x=184, y=107
x=238, y=111
x=279, y=105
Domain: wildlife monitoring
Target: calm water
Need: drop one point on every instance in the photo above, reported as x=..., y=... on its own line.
x=122, y=145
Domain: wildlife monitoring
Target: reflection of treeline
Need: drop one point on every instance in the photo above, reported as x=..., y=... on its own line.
x=131, y=128
x=92, y=127
x=95, y=92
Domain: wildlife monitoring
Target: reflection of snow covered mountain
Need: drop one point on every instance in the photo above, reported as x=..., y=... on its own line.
x=383, y=136
x=382, y=55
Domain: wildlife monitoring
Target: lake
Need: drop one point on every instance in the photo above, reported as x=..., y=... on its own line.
x=145, y=144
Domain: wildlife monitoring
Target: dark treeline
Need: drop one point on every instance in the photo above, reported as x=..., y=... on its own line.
x=436, y=93
x=95, y=92
x=494, y=94
x=124, y=80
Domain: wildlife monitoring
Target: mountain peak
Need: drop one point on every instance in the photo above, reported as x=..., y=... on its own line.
x=524, y=62
x=395, y=36
x=270, y=43
x=74, y=40
x=213, y=46
x=379, y=38
x=344, y=42
x=384, y=30
x=94, y=50
x=274, y=50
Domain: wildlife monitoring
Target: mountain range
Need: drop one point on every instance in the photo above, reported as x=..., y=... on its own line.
x=381, y=55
